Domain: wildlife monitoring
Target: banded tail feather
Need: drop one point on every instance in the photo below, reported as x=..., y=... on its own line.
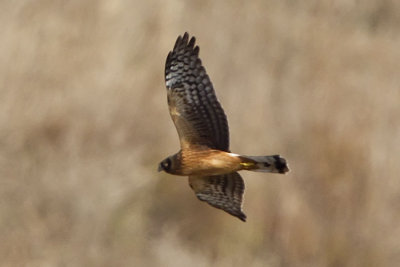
x=274, y=163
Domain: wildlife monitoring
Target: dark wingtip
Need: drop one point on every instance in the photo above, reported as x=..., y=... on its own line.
x=242, y=217
x=196, y=50
x=183, y=41
x=178, y=42
x=238, y=214
x=185, y=38
x=192, y=42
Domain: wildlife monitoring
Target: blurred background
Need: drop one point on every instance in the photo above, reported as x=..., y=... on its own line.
x=84, y=123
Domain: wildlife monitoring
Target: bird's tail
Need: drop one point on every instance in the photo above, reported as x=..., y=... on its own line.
x=274, y=163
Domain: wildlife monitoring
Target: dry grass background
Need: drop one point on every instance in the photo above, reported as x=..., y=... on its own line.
x=84, y=123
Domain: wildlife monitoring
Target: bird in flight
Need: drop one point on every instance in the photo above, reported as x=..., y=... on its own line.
x=204, y=135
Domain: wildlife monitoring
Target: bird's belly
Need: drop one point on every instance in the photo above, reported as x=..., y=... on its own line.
x=213, y=164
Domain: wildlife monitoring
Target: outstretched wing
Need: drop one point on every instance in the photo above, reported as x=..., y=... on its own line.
x=222, y=192
x=193, y=105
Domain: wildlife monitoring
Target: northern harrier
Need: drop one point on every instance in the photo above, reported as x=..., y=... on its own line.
x=204, y=136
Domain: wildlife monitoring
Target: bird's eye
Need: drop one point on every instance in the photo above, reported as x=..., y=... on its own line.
x=167, y=164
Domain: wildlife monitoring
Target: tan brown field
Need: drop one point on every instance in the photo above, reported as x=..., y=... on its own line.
x=84, y=123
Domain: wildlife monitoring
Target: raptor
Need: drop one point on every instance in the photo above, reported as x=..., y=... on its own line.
x=204, y=135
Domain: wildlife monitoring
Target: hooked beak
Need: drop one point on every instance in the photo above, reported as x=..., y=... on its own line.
x=160, y=168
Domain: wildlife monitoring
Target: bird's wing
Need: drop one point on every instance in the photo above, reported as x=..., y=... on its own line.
x=193, y=105
x=222, y=192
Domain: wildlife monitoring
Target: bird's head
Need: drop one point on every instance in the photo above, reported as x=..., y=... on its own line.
x=165, y=165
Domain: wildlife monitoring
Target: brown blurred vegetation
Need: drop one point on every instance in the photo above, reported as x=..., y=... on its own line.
x=84, y=123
